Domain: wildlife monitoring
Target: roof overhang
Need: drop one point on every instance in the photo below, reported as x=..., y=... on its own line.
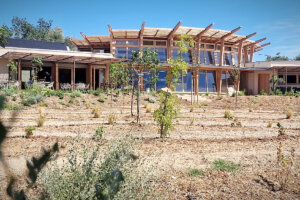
x=58, y=56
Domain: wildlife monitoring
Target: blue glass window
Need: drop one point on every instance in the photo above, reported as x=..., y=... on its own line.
x=202, y=59
x=130, y=49
x=225, y=79
x=161, y=82
x=235, y=59
x=211, y=81
x=133, y=42
x=179, y=84
x=147, y=80
x=120, y=52
x=218, y=57
x=121, y=42
x=227, y=59
x=187, y=82
x=187, y=57
x=175, y=53
x=209, y=57
x=162, y=54
x=202, y=81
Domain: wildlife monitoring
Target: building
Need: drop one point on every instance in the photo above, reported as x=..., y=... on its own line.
x=215, y=54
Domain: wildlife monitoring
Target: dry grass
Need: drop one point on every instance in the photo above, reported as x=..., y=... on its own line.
x=41, y=121
x=289, y=113
x=96, y=112
x=148, y=108
x=111, y=119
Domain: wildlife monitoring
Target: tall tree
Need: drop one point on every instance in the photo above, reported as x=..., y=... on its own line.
x=4, y=34
x=278, y=57
x=297, y=57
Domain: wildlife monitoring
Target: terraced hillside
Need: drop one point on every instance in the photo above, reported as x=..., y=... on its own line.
x=201, y=135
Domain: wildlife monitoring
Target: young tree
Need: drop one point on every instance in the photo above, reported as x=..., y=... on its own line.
x=12, y=68
x=274, y=81
x=178, y=65
x=167, y=111
x=140, y=61
x=37, y=66
x=235, y=73
x=4, y=34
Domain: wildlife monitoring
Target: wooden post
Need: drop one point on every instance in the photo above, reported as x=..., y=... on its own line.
x=20, y=74
x=72, y=78
x=219, y=80
x=106, y=76
x=251, y=53
x=221, y=52
x=89, y=76
x=197, y=83
x=99, y=78
x=56, y=76
x=246, y=59
x=240, y=54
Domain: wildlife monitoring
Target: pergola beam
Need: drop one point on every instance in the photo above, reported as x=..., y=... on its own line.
x=205, y=30
x=246, y=38
x=141, y=33
x=171, y=34
x=263, y=45
x=110, y=30
x=85, y=38
x=256, y=42
x=230, y=33
x=64, y=59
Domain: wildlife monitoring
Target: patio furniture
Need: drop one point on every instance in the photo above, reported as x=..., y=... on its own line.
x=80, y=86
x=50, y=85
x=65, y=86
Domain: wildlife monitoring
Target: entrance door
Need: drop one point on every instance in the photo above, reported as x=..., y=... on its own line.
x=263, y=82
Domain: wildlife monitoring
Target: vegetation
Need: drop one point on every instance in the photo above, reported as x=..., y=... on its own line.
x=228, y=115
x=41, y=121
x=289, y=113
x=274, y=81
x=235, y=74
x=278, y=57
x=12, y=68
x=98, y=133
x=29, y=131
x=96, y=112
x=224, y=165
x=111, y=119
x=167, y=111
x=281, y=129
x=195, y=172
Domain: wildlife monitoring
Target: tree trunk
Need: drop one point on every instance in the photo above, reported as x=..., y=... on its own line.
x=138, y=100
x=236, y=96
x=132, y=95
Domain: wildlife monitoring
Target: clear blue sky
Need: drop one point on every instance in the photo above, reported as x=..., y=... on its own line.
x=278, y=20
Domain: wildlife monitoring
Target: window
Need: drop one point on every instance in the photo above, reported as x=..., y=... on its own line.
x=210, y=46
x=175, y=53
x=227, y=59
x=202, y=60
x=218, y=47
x=235, y=59
x=187, y=82
x=121, y=42
x=202, y=81
x=218, y=57
x=133, y=42
x=209, y=57
x=121, y=52
x=291, y=79
x=235, y=50
x=227, y=48
x=187, y=57
x=225, y=79
x=130, y=49
x=162, y=54
x=147, y=42
x=161, y=82
x=211, y=81
x=202, y=46
x=161, y=43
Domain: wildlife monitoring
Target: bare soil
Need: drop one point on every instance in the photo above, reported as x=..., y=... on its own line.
x=201, y=135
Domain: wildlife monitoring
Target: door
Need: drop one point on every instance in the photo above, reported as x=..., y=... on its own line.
x=263, y=82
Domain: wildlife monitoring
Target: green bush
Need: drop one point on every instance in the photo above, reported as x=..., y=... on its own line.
x=278, y=92
x=150, y=100
x=12, y=107
x=99, y=133
x=97, y=92
x=29, y=131
x=242, y=93
x=195, y=172
x=14, y=98
x=101, y=100
x=224, y=165
x=76, y=93
x=262, y=92
x=88, y=175
x=228, y=115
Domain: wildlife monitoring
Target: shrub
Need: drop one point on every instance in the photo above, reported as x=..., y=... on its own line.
x=167, y=111
x=195, y=172
x=262, y=92
x=289, y=113
x=40, y=121
x=71, y=101
x=281, y=129
x=87, y=176
x=255, y=101
x=278, y=92
x=206, y=94
x=269, y=125
x=148, y=108
x=150, y=100
x=228, y=115
x=97, y=92
x=96, y=112
x=242, y=93
x=75, y=93
x=101, y=100
x=31, y=100
x=98, y=133
x=12, y=107
x=111, y=119
x=29, y=131
x=224, y=165
x=14, y=98
x=203, y=103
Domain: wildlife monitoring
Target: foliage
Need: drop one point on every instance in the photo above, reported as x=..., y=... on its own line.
x=297, y=57
x=289, y=113
x=4, y=34
x=262, y=92
x=111, y=119
x=98, y=133
x=177, y=66
x=224, y=165
x=86, y=176
x=37, y=66
x=101, y=100
x=12, y=68
x=285, y=164
x=255, y=101
x=29, y=131
x=75, y=93
x=281, y=129
x=278, y=92
x=235, y=74
x=96, y=112
x=40, y=121
x=278, y=57
x=274, y=81
x=12, y=107
x=167, y=111
x=228, y=115
x=150, y=100
x=118, y=75
x=195, y=172
x=32, y=99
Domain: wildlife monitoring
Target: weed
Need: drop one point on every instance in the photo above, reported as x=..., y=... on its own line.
x=148, y=108
x=228, y=115
x=14, y=98
x=98, y=133
x=43, y=104
x=224, y=165
x=101, y=100
x=281, y=129
x=115, y=99
x=75, y=93
x=242, y=93
x=192, y=109
x=262, y=92
x=289, y=113
x=12, y=107
x=88, y=105
x=269, y=124
x=255, y=101
x=219, y=97
x=40, y=121
x=62, y=103
x=195, y=172
x=71, y=101
x=150, y=100
x=111, y=119
x=96, y=112
x=203, y=103
x=29, y=131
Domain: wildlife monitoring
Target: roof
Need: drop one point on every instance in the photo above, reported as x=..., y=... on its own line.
x=35, y=44
x=59, y=56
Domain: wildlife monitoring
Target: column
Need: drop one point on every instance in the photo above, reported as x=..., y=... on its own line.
x=219, y=80
x=20, y=74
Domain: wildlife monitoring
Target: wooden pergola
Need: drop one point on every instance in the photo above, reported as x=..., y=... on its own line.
x=93, y=61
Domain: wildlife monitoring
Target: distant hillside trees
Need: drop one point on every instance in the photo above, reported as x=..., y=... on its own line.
x=43, y=31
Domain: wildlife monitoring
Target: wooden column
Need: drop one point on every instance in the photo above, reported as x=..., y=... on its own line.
x=99, y=78
x=56, y=76
x=106, y=76
x=221, y=52
x=246, y=54
x=219, y=80
x=240, y=53
x=196, y=75
x=89, y=76
x=72, y=78
x=94, y=79
x=251, y=53
x=20, y=74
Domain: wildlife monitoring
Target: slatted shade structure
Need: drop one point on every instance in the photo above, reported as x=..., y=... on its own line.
x=59, y=56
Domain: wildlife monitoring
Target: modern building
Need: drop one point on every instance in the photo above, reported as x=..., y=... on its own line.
x=215, y=54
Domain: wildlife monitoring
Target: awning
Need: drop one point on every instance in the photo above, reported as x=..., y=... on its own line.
x=59, y=56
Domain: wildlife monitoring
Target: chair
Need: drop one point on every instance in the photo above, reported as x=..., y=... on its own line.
x=50, y=85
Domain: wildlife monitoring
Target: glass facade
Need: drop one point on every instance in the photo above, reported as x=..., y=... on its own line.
x=227, y=59
x=202, y=81
x=235, y=59
x=121, y=42
x=218, y=57
x=211, y=81
x=209, y=57
x=133, y=42
x=121, y=52
x=130, y=49
x=187, y=57
x=161, y=82
x=162, y=54
x=187, y=82
x=202, y=58
x=225, y=79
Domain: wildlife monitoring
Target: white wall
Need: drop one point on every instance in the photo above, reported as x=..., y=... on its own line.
x=3, y=70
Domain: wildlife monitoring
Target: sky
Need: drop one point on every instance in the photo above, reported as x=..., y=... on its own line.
x=277, y=20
